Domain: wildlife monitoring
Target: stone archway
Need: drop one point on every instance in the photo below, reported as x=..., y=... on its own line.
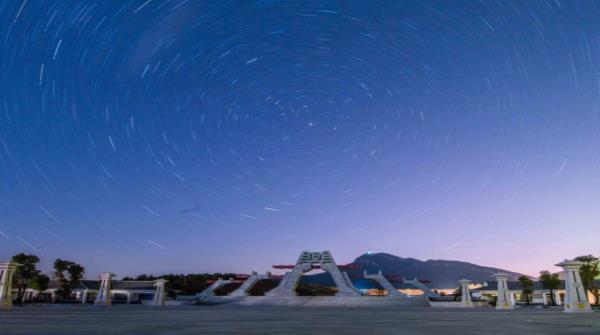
x=307, y=262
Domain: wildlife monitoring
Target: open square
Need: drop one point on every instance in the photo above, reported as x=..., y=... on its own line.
x=230, y=319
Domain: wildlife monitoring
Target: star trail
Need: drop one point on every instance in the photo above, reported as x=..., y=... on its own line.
x=194, y=136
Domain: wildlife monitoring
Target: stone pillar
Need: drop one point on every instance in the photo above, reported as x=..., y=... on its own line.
x=344, y=288
x=103, y=297
x=575, y=296
x=504, y=299
x=289, y=282
x=159, y=294
x=7, y=270
x=84, y=297
x=465, y=300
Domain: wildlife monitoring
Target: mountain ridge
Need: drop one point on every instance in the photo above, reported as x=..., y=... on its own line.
x=439, y=273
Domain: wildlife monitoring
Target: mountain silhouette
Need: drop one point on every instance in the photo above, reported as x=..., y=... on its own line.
x=436, y=273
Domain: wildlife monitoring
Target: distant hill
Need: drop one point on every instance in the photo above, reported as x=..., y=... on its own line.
x=440, y=273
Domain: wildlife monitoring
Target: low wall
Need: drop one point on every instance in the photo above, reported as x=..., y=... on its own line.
x=170, y=302
x=360, y=301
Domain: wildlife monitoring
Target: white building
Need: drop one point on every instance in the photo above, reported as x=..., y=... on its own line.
x=130, y=292
x=540, y=295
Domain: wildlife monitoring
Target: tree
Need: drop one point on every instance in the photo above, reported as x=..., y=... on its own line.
x=457, y=294
x=550, y=281
x=588, y=272
x=186, y=284
x=69, y=274
x=24, y=273
x=262, y=286
x=526, y=284
x=40, y=283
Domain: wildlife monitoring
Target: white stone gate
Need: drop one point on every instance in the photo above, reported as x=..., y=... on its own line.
x=307, y=262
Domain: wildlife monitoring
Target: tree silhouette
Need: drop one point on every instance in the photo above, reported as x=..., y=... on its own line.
x=588, y=272
x=550, y=281
x=24, y=273
x=69, y=274
x=526, y=284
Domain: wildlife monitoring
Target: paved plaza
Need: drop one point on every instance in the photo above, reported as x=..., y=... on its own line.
x=230, y=319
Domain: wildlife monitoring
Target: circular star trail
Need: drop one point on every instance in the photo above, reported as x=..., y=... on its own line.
x=230, y=135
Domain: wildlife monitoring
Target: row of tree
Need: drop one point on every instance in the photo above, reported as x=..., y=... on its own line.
x=28, y=276
x=589, y=271
x=185, y=284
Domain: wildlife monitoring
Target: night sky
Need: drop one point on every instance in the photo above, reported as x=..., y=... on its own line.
x=196, y=136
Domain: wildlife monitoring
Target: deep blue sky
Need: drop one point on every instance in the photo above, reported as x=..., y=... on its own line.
x=188, y=136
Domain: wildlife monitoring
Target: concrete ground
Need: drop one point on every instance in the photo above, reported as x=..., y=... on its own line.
x=230, y=319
